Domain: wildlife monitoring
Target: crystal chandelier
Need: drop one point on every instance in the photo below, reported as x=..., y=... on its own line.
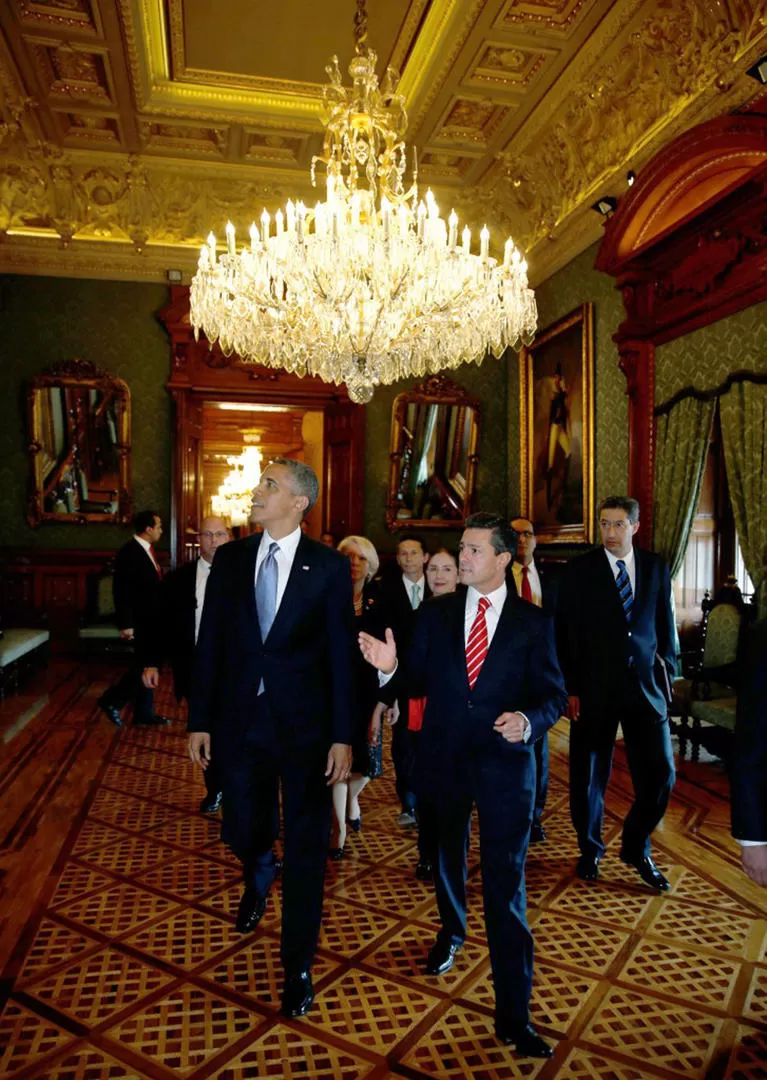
x=371, y=285
x=235, y=495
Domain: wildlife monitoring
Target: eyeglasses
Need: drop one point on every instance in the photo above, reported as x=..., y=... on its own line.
x=214, y=535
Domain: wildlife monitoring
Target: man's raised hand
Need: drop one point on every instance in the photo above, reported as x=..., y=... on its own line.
x=381, y=654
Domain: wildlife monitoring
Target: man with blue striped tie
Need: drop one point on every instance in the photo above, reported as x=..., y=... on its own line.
x=616, y=649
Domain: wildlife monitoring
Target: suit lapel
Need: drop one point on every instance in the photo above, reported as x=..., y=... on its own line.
x=252, y=545
x=606, y=580
x=287, y=612
x=497, y=654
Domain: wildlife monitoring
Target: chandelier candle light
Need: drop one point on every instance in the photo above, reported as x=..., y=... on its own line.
x=371, y=285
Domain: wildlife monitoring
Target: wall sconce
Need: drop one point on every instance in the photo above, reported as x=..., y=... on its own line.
x=605, y=206
x=759, y=71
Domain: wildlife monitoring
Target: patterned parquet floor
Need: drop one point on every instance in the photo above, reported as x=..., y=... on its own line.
x=124, y=962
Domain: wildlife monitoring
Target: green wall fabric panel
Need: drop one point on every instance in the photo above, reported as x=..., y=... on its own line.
x=706, y=357
x=45, y=321
x=487, y=383
x=576, y=284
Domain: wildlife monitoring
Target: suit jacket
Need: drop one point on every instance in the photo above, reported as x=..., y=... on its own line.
x=549, y=588
x=305, y=661
x=596, y=644
x=136, y=589
x=174, y=630
x=520, y=673
x=748, y=763
x=399, y=614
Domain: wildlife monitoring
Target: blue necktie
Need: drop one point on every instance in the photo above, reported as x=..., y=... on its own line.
x=624, y=589
x=266, y=590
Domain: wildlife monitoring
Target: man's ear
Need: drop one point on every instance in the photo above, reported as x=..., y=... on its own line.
x=302, y=503
x=634, y=529
x=506, y=556
x=426, y=558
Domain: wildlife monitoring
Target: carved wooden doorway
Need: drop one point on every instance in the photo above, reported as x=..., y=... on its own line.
x=203, y=380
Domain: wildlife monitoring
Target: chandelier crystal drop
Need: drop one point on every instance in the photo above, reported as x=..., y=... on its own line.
x=371, y=285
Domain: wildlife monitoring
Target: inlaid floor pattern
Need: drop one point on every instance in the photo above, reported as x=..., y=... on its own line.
x=134, y=970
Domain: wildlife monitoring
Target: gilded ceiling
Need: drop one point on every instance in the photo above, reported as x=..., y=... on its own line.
x=130, y=128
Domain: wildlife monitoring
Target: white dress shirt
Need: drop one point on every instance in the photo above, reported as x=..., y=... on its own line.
x=148, y=549
x=532, y=576
x=285, y=555
x=201, y=583
x=630, y=567
x=410, y=585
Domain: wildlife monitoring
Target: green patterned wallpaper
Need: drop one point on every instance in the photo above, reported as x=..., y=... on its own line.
x=487, y=383
x=706, y=357
x=44, y=321
x=576, y=284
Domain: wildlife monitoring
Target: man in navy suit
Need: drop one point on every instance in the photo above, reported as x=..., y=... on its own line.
x=616, y=646
x=136, y=588
x=487, y=666
x=177, y=630
x=537, y=587
x=748, y=762
x=273, y=683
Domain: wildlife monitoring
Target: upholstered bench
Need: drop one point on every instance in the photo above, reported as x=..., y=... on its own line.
x=21, y=650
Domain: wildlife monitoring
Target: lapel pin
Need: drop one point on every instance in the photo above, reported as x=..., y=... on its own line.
x=304, y=567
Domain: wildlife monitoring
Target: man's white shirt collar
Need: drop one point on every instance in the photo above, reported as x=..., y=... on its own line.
x=497, y=598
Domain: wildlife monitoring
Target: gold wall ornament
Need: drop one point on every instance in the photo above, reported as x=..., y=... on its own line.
x=371, y=285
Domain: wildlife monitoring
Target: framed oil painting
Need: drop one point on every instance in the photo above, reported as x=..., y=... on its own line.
x=557, y=430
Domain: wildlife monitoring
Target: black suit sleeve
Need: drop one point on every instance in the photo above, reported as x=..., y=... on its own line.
x=209, y=642
x=123, y=590
x=546, y=700
x=748, y=764
x=341, y=630
x=664, y=619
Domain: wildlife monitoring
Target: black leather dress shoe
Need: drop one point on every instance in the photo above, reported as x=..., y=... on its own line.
x=424, y=870
x=250, y=912
x=298, y=994
x=147, y=720
x=336, y=853
x=587, y=867
x=211, y=803
x=526, y=1042
x=537, y=833
x=648, y=872
x=112, y=713
x=442, y=956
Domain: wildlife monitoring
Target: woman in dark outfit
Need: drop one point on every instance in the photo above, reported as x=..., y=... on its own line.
x=366, y=738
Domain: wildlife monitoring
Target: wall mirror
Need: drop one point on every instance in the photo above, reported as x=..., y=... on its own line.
x=434, y=439
x=79, y=446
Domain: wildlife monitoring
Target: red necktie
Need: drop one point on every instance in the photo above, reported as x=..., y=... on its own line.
x=154, y=560
x=527, y=592
x=476, y=646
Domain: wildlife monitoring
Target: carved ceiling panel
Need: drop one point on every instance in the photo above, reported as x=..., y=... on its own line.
x=523, y=113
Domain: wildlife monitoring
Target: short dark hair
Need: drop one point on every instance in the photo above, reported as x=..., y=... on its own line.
x=503, y=538
x=410, y=536
x=621, y=502
x=144, y=520
x=303, y=479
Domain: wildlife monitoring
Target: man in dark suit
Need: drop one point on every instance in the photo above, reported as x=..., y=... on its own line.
x=403, y=595
x=273, y=684
x=748, y=763
x=136, y=589
x=177, y=630
x=487, y=666
x=616, y=646
x=537, y=587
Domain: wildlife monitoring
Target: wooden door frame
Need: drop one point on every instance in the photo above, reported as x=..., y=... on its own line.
x=201, y=373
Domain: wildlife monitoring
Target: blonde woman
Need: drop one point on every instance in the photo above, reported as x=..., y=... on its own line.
x=366, y=738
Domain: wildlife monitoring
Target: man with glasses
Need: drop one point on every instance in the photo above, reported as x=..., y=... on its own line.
x=616, y=648
x=183, y=597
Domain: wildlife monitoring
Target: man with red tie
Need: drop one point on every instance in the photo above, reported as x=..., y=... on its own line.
x=487, y=665
x=536, y=587
x=137, y=594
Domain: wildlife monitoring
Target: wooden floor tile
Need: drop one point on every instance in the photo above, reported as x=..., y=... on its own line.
x=282, y=1053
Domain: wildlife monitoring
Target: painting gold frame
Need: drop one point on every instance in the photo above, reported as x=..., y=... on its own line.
x=557, y=430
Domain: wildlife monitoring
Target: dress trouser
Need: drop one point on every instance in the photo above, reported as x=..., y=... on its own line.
x=541, y=748
x=251, y=781
x=129, y=687
x=402, y=758
x=651, y=765
x=503, y=789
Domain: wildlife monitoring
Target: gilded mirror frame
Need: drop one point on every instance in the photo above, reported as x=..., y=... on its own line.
x=80, y=375
x=435, y=390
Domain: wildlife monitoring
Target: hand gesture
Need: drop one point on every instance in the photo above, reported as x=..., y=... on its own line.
x=511, y=725
x=381, y=654
x=199, y=748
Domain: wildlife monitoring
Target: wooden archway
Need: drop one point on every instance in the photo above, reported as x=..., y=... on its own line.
x=687, y=247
